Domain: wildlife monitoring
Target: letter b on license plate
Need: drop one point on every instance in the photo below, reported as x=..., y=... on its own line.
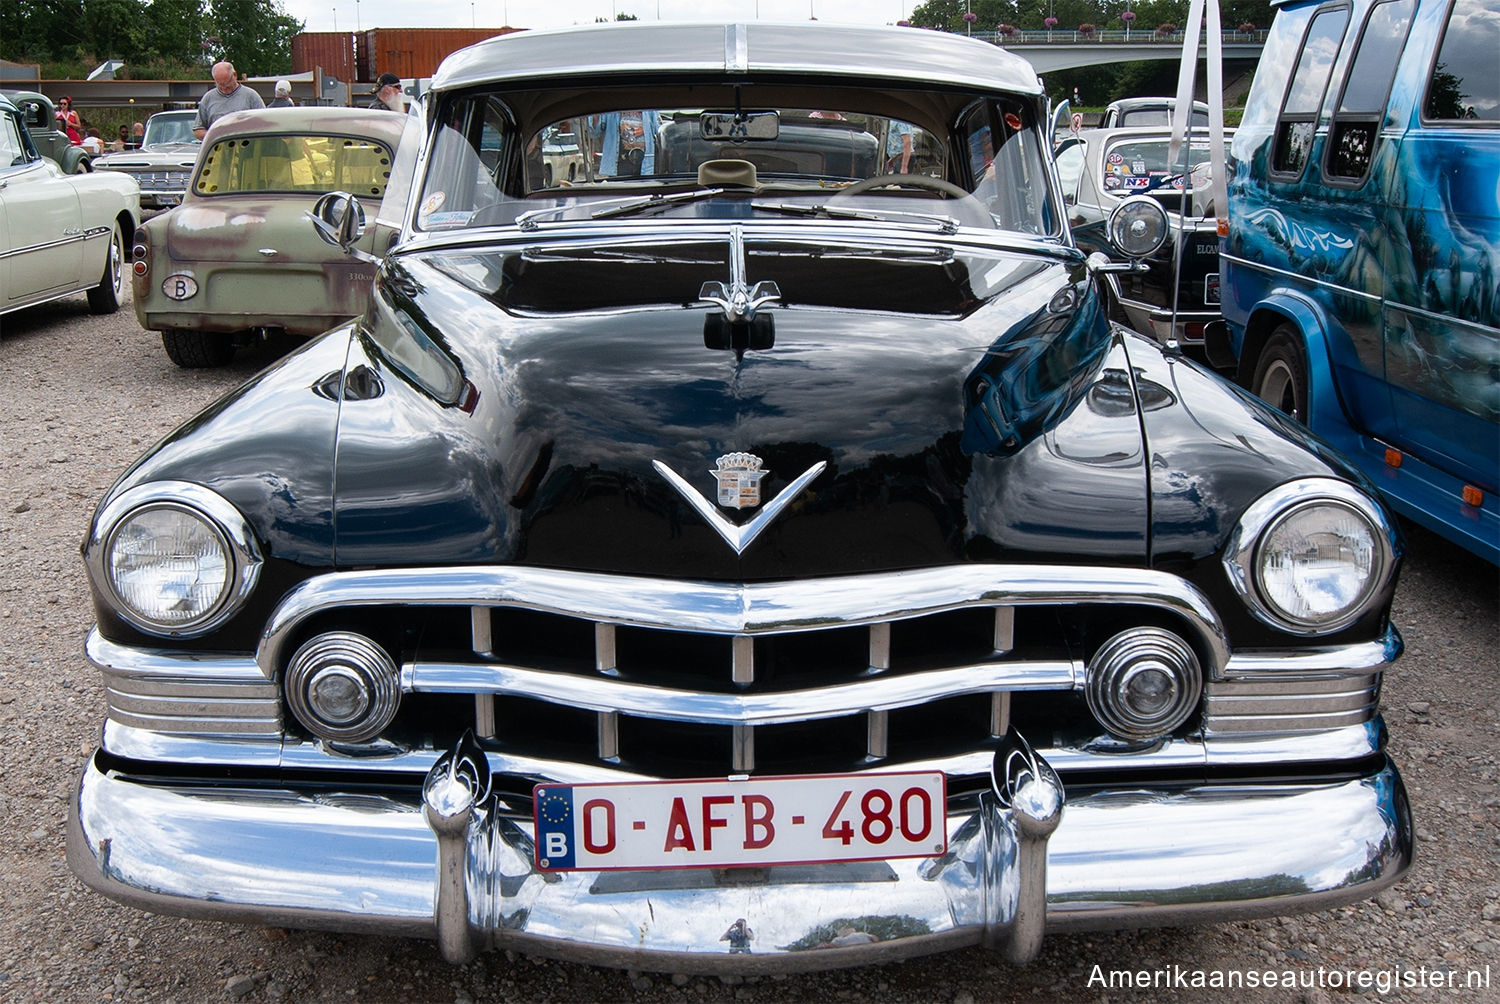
x=717, y=823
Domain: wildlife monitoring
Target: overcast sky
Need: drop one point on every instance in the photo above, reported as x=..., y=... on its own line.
x=349, y=15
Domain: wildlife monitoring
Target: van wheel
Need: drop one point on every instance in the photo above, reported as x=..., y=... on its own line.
x=1281, y=374
x=105, y=297
x=197, y=349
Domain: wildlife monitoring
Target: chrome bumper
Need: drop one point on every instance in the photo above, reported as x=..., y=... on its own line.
x=462, y=870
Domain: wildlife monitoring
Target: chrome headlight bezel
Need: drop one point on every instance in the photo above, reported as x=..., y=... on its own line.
x=1243, y=557
x=241, y=550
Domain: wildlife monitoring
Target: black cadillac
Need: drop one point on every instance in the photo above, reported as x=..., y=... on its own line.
x=744, y=558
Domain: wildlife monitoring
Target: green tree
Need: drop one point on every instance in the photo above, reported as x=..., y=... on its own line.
x=254, y=35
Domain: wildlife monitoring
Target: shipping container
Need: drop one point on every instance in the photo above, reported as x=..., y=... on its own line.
x=413, y=52
x=332, y=50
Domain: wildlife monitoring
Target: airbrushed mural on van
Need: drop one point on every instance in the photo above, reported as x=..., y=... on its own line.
x=1361, y=275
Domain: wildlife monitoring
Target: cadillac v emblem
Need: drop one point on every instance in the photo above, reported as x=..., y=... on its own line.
x=739, y=476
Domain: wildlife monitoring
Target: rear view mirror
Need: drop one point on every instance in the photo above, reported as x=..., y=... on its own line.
x=339, y=219
x=739, y=125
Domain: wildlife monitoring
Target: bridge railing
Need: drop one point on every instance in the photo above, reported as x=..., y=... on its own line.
x=1135, y=36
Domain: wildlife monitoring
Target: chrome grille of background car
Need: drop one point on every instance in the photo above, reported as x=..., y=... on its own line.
x=156, y=179
x=672, y=679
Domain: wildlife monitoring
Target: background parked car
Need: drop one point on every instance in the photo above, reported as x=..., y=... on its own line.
x=40, y=116
x=59, y=233
x=1148, y=111
x=164, y=161
x=1361, y=291
x=237, y=259
x=1102, y=167
x=562, y=158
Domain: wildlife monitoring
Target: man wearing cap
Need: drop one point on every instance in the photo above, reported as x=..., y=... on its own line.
x=387, y=94
x=283, y=98
x=228, y=95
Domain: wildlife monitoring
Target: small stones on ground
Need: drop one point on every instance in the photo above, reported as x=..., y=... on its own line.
x=239, y=985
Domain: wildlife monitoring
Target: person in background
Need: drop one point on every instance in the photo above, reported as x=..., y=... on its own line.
x=228, y=95
x=605, y=129
x=68, y=120
x=137, y=135
x=283, y=98
x=92, y=141
x=116, y=145
x=898, y=147
x=387, y=93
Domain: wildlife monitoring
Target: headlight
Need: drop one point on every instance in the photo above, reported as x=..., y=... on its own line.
x=173, y=558
x=1138, y=226
x=1312, y=557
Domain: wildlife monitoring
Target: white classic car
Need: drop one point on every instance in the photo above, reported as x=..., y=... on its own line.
x=59, y=233
x=164, y=162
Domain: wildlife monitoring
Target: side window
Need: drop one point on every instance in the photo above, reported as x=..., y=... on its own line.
x=1465, y=83
x=1361, y=108
x=1304, y=95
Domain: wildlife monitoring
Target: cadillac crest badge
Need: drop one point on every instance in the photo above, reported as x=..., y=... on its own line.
x=739, y=476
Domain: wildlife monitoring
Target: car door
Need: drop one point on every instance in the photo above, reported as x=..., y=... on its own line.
x=43, y=240
x=1442, y=310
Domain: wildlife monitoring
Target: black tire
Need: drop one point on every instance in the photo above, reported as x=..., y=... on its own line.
x=197, y=349
x=1281, y=374
x=105, y=297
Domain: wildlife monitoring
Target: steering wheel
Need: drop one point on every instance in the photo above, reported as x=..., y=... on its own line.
x=926, y=181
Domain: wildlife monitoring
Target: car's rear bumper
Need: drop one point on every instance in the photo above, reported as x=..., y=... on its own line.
x=1126, y=857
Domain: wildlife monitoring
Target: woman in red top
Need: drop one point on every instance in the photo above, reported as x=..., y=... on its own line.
x=69, y=121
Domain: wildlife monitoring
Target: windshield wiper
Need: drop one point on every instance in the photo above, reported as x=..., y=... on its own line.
x=649, y=202
x=945, y=224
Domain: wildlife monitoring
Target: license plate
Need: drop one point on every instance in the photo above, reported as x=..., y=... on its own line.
x=1211, y=288
x=168, y=200
x=718, y=823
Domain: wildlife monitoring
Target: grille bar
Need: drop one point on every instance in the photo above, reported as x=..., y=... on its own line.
x=748, y=610
x=1246, y=707
x=604, y=694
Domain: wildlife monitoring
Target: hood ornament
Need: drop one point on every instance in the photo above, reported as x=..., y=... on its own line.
x=737, y=298
x=739, y=476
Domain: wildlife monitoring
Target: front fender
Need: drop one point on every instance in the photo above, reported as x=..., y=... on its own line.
x=1325, y=409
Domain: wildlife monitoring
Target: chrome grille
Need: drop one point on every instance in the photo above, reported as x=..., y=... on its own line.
x=593, y=673
x=157, y=179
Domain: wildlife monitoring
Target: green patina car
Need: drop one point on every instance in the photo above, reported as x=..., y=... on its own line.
x=40, y=116
x=237, y=261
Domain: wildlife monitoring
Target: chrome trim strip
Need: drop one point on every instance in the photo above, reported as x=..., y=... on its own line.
x=1298, y=277
x=736, y=48
x=73, y=237
x=878, y=693
x=1235, y=850
x=1250, y=664
x=751, y=609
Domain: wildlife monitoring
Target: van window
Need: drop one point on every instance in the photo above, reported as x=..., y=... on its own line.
x=1304, y=95
x=1361, y=108
x=1465, y=86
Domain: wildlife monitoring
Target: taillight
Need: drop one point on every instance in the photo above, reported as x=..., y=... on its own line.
x=140, y=253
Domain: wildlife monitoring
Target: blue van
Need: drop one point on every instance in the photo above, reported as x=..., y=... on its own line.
x=1361, y=273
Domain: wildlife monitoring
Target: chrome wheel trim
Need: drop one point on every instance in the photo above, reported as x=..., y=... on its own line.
x=1275, y=388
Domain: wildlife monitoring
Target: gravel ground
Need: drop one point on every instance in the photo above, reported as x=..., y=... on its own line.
x=81, y=396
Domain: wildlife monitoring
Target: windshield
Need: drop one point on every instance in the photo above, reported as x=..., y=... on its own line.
x=1139, y=165
x=932, y=158
x=164, y=129
x=294, y=163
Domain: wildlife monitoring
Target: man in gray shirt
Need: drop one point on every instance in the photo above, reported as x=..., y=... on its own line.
x=228, y=95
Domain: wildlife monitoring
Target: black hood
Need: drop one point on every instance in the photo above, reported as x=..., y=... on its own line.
x=515, y=406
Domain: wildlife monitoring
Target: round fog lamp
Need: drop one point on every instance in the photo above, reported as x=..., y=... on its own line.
x=343, y=687
x=1143, y=684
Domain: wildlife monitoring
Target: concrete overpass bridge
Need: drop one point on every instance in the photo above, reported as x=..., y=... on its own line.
x=1065, y=50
